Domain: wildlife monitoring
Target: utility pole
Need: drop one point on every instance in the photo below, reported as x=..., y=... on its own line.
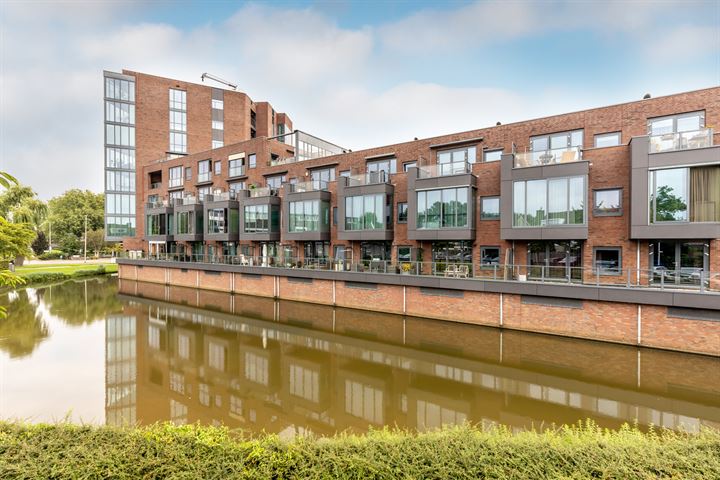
x=50, y=241
x=85, y=260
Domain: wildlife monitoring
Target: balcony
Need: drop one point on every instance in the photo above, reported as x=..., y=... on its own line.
x=370, y=178
x=175, y=183
x=191, y=200
x=236, y=171
x=155, y=185
x=311, y=186
x=548, y=157
x=157, y=204
x=263, y=192
x=222, y=196
x=444, y=170
x=669, y=142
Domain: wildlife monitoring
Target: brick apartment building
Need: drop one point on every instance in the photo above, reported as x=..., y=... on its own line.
x=625, y=188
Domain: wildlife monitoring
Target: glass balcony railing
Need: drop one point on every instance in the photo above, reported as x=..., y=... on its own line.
x=190, y=200
x=204, y=177
x=672, y=141
x=311, y=186
x=157, y=204
x=263, y=192
x=175, y=182
x=547, y=157
x=444, y=169
x=236, y=171
x=370, y=178
x=220, y=196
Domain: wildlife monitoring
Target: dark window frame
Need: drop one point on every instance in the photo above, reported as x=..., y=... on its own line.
x=398, y=212
x=597, y=212
x=604, y=272
x=489, y=266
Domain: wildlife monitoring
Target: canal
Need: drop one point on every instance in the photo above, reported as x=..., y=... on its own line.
x=112, y=352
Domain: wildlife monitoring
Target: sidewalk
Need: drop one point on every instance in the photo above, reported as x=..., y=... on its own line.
x=75, y=261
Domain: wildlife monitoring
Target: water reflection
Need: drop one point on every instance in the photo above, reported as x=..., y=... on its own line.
x=198, y=356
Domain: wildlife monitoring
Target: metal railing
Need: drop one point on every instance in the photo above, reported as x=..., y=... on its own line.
x=191, y=200
x=444, y=169
x=656, y=278
x=155, y=185
x=157, y=204
x=311, y=186
x=369, y=178
x=220, y=196
x=668, y=142
x=547, y=157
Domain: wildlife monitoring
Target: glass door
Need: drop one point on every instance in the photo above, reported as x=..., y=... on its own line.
x=679, y=262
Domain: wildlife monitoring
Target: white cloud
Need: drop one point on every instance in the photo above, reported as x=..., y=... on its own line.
x=333, y=81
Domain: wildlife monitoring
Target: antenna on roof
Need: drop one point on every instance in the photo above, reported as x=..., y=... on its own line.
x=217, y=79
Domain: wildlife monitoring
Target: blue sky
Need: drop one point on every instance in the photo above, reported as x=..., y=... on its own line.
x=357, y=73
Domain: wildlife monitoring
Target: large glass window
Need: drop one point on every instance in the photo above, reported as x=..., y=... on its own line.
x=175, y=177
x=236, y=167
x=607, y=202
x=364, y=212
x=458, y=155
x=554, y=144
x=204, y=171
x=556, y=201
x=445, y=208
x=387, y=165
x=452, y=252
x=118, y=112
x=490, y=208
x=222, y=220
x=323, y=174
x=603, y=140
x=261, y=219
x=309, y=216
x=156, y=224
x=555, y=259
x=184, y=223
x=492, y=155
x=120, y=158
x=119, y=89
x=120, y=181
x=685, y=194
x=178, y=120
x=607, y=260
x=676, y=123
x=275, y=181
x=120, y=135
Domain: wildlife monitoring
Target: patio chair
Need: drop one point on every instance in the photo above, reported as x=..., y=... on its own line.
x=462, y=271
x=451, y=271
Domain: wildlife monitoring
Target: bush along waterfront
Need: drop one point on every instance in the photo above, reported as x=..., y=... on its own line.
x=55, y=273
x=167, y=451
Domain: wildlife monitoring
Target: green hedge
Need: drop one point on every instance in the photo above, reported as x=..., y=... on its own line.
x=166, y=451
x=48, y=277
x=53, y=255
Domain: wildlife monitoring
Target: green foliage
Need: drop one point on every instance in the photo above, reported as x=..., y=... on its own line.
x=15, y=239
x=167, y=451
x=32, y=211
x=69, y=244
x=63, y=272
x=96, y=241
x=668, y=204
x=40, y=244
x=23, y=329
x=7, y=180
x=52, y=255
x=13, y=197
x=67, y=213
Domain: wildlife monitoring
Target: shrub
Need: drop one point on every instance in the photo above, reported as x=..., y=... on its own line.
x=52, y=255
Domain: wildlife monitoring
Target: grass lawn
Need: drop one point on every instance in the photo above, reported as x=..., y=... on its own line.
x=66, y=268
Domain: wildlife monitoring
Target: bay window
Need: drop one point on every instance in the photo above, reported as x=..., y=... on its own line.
x=549, y=202
x=365, y=212
x=444, y=208
x=685, y=194
x=309, y=216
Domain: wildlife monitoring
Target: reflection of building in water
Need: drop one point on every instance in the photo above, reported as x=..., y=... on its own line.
x=328, y=369
x=120, y=373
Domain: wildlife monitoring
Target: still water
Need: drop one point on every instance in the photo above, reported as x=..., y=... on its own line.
x=110, y=351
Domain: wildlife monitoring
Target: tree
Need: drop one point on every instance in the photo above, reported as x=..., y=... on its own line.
x=69, y=243
x=11, y=240
x=67, y=212
x=15, y=239
x=96, y=240
x=32, y=211
x=40, y=244
x=13, y=197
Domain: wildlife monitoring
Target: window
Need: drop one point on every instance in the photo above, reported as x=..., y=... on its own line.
x=217, y=220
x=217, y=144
x=252, y=160
x=492, y=155
x=446, y=208
x=402, y=209
x=607, y=202
x=120, y=158
x=678, y=132
x=408, y=165
x=490, y=208
x=118, y=112
x=203, y=171
x=685, y=194
x=236, y=187
x=404, y=253
x=216, y=356
x=120, y=181
x=184, y=223
x=344, y=173
x=202, y=191
x=120, y=135
x=176, y=194
x=156, y=224
x=556, y=141
x=119, y=89
x=309, y=216
x=607, y=260
x=489, y=257
x=607, y=140
x=261, y=219
x=218, y=167
x=685, y=122
x=175, y=177
x=178, y=121
x=304, y=383
x=365, y=212
x=275, y=181
x=236, y=167
x=323, y=174
x=188, y=173
x=257, y=368
x=387, y=165
x=549, y=202
x=460, y=155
